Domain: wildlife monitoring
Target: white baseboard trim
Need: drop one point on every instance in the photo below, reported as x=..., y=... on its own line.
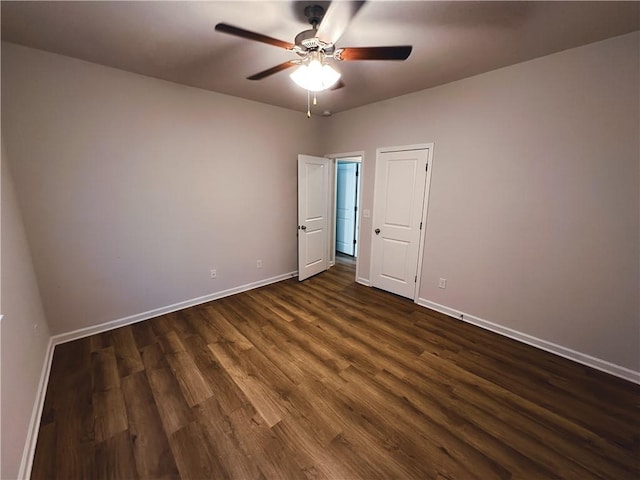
x=363, y=281
x=34, y=423
x=139, y=317
x=584, y=359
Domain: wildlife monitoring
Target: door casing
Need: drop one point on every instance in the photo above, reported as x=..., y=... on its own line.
x=357, y=156
x=347, y=198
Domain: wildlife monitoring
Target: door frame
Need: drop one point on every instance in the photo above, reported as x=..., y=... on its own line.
x=357, y=156
x=354, y=162
x=425, y=204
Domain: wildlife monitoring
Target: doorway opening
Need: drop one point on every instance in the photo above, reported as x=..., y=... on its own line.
x=347, y=189
x=348, y=171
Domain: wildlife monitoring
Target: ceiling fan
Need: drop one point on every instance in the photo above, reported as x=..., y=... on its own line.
x=316, y=48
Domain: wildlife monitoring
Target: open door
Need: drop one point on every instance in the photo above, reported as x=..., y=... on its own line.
x=313, y=208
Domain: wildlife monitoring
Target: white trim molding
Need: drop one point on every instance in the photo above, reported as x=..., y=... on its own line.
x=582, y=358
x=28, y=454
x=139, y=317
x=356, y=157
x=363, y=281
x=34, y=423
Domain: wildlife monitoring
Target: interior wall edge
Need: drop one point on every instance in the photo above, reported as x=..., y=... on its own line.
x=34, y=423
x=156, y=312
x=568, y=353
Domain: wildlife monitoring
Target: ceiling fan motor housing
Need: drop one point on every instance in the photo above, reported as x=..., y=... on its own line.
x=308, y=42
x=314, y=13
x=308, y=39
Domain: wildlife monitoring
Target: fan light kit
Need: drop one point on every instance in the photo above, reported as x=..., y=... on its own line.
x=316, y=48
x=314, y=75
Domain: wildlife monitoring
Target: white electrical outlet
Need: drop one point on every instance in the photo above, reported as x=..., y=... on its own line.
x=213, y=273
x=259, y=263
x=442, y=283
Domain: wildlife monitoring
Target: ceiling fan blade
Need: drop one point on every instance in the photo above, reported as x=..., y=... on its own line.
x=257, y=37
x=337, y=19
x=400, y=52
x=272, y=70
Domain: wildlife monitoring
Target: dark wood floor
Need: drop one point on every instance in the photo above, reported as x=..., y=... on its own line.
x=327, y=379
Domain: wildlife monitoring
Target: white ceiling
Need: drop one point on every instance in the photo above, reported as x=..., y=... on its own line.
x=176, y=41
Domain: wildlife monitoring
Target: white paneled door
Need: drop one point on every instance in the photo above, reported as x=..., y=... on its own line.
x=399, y=202
x=313, y=208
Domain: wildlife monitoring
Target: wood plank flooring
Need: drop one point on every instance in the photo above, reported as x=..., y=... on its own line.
x=328, y=379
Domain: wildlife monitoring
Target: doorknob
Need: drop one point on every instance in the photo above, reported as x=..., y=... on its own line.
x=303, y=227
x=377, y=230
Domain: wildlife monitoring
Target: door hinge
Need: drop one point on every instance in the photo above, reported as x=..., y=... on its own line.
x=420, y=225
x=355, y=209
x=354, y=242
x=415, y=279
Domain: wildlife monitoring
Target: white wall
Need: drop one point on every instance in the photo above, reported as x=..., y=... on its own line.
x=23, y=348
x=133, y=188
x=534, y=208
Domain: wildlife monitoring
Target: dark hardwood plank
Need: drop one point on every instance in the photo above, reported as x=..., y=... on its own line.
x=274, y=458
x=109, y=413
x=44, y=463
x=433, y=412
x=153, y=357
x=408, y=434
x=225, y=391
x=222, y=438
x=172, y=407
x=309, y=454
x=126, y=351
x=261, y=396
x=151, y=448
x=195, y=456
x=328, y=379
x=143, y=334
x=73, y=415
x=114, y=458
x=194, y=387
x=198, y=321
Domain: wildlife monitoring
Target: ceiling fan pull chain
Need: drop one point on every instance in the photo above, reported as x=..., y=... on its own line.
x=308, y=104
x=315, y=100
